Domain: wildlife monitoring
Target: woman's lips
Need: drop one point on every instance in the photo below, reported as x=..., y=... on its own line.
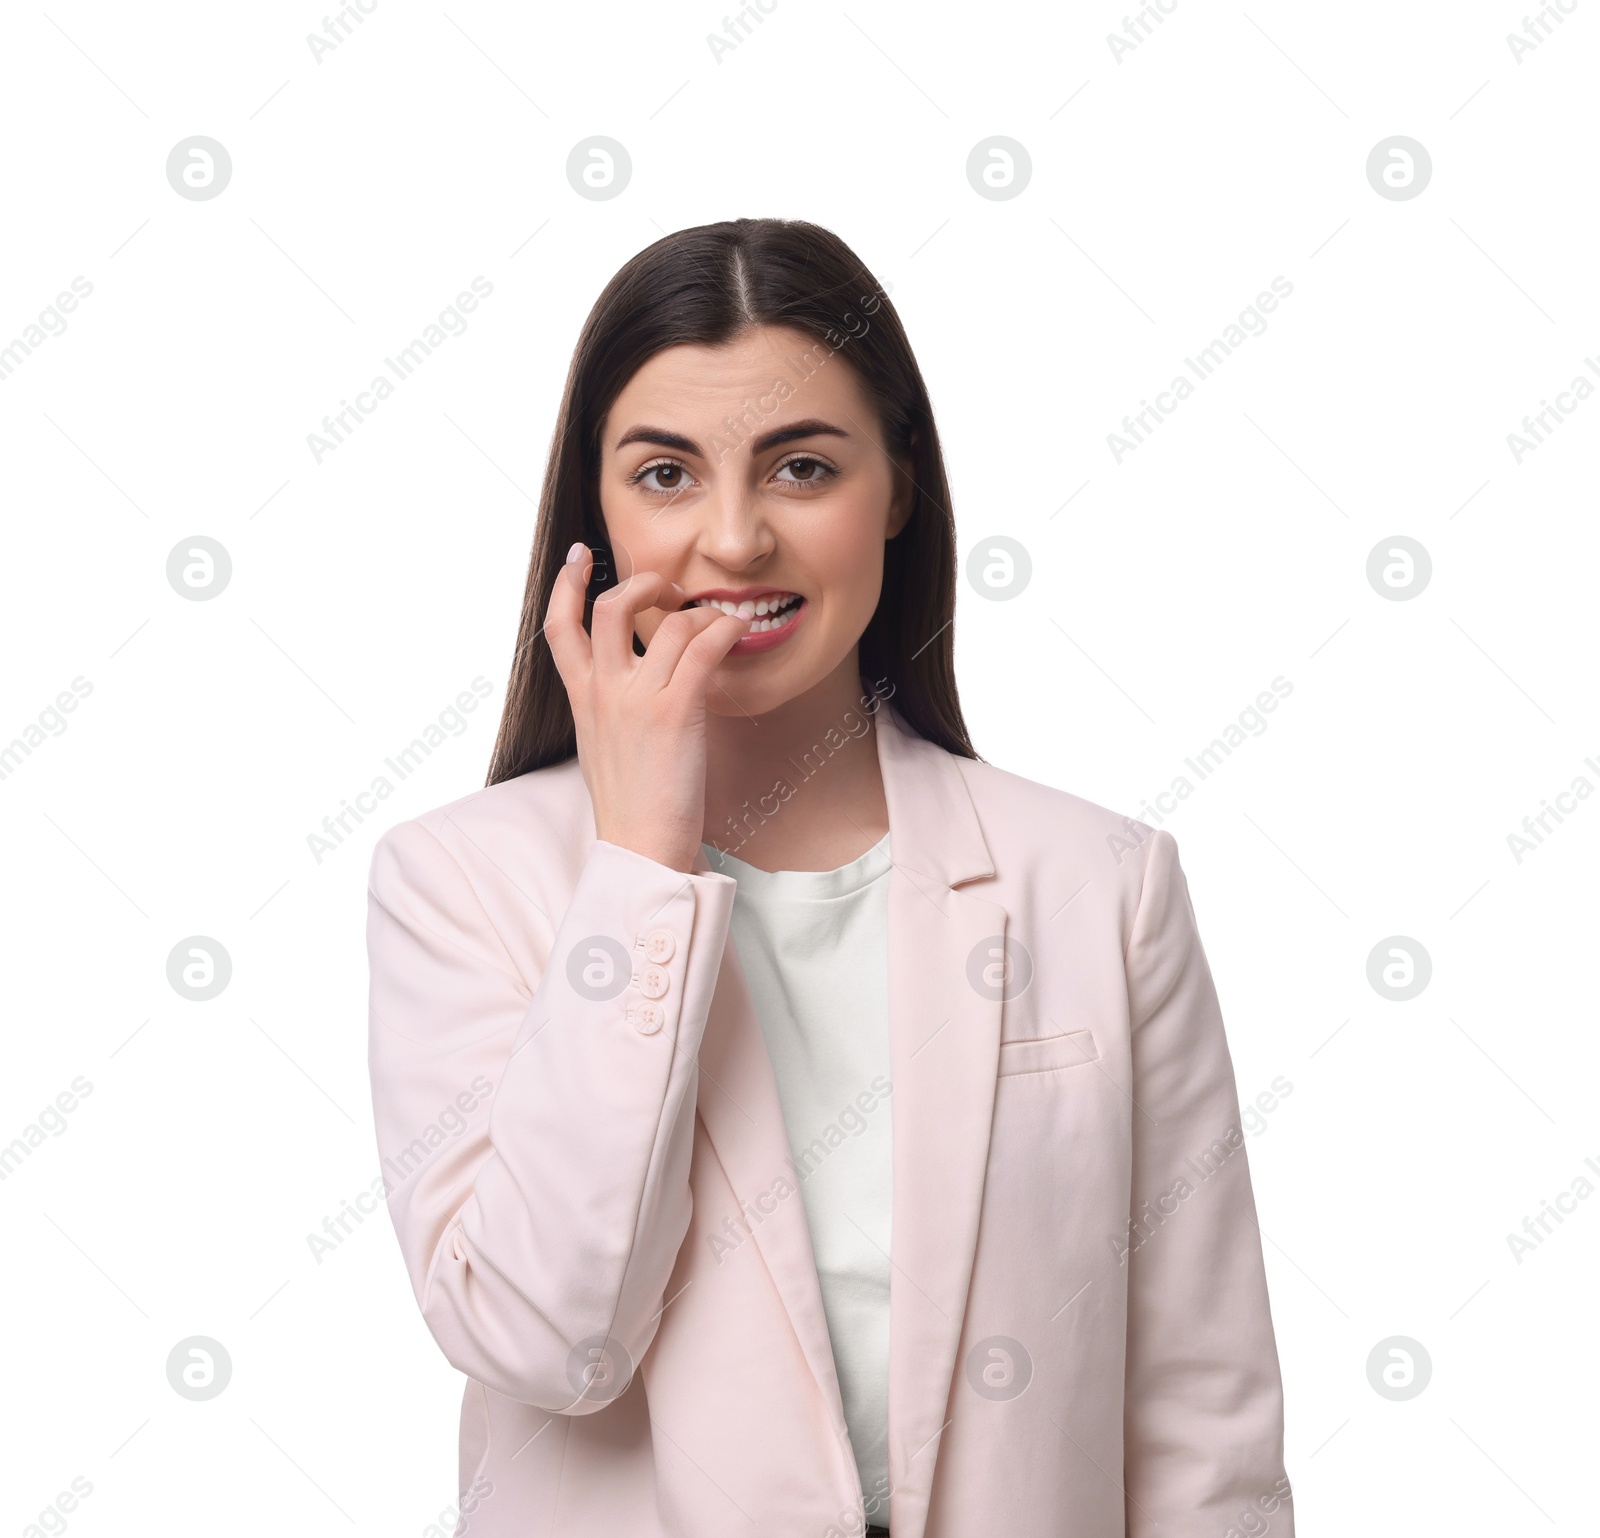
x=765, y=640
x=772, y=615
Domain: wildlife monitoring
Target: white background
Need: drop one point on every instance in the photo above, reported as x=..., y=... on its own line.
x=1168, y=188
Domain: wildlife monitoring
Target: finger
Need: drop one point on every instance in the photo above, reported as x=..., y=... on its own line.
x=563, y=619
x=694, y=672
x=615, y=612
x=673, y=635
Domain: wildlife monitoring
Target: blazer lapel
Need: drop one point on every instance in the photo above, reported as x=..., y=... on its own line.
x=738, y=1104
x=944, y=1042
x=944, y=1036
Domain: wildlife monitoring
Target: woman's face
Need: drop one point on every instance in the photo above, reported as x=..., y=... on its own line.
x=736, y=474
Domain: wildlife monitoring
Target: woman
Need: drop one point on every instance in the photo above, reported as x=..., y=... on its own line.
x=661, y=977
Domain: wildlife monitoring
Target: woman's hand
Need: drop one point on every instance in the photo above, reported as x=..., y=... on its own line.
x=641, y=721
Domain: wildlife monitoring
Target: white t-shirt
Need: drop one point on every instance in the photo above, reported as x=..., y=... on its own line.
x=814, y=946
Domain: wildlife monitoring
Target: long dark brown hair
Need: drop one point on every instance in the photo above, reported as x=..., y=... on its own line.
x=704, y=286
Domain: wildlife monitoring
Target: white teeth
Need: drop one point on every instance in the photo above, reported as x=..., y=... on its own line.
x=753, y=610
x=765, y=614
x=777, y=622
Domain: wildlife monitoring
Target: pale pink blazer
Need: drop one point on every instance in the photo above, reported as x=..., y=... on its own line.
x=582, y=1137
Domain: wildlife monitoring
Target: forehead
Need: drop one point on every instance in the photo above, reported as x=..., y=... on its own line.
x=693, y=386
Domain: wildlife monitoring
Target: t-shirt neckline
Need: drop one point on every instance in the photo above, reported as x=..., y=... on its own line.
x=804, y=885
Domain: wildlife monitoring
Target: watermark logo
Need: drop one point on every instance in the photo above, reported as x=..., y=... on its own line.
x=198, y=568
x=1399, y=568
x=199, y=1367
x=1399, y=168
x=999, y=169
x=199, y=168
x=999, y=568
x=1399, y=1367
x=199, y=968
x=1399, y=968
x=598, y=968
x=999, y=968
x=599, y=169
x=999, y=1368
x=599, y=1368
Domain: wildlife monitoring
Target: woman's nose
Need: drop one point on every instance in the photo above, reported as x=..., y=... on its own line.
x=734, y=532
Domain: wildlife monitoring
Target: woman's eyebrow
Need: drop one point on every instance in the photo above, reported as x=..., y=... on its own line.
x=812, y=427
x=662, y=438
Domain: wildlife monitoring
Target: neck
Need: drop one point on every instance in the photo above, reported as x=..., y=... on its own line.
x=798, y=788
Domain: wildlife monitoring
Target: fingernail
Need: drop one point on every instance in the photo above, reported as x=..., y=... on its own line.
x=577, y=552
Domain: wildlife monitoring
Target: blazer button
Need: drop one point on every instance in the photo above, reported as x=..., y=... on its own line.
x=659, y=946
x=654, y=982
x=648, y=1018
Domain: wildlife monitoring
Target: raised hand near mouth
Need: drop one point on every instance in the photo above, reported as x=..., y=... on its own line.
x=640, y=721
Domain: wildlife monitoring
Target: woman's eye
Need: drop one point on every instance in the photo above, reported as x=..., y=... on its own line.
x=807, y=471
x=664, y=475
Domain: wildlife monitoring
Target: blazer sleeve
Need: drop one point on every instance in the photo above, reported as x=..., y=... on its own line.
x=539, y=1234
x=1203, y=1410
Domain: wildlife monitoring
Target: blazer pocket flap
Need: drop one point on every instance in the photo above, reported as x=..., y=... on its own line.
x=1048, y=1053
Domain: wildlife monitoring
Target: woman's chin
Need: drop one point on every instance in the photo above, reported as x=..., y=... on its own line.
x=741, y=695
